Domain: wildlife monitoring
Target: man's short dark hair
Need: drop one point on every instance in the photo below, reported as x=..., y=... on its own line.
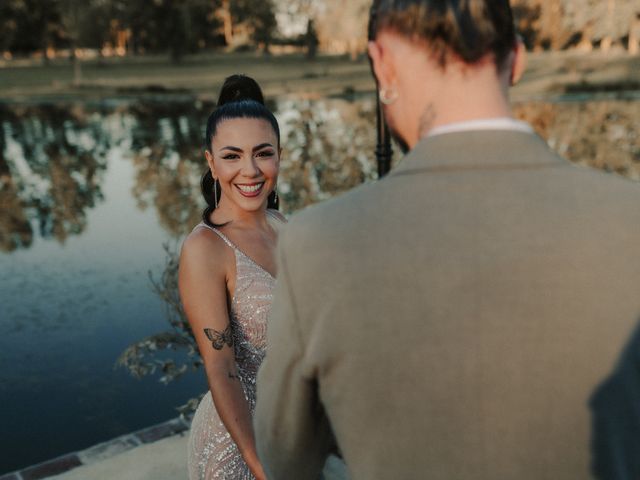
x=468, y=29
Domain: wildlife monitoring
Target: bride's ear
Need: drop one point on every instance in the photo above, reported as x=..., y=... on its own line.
x=209, y=156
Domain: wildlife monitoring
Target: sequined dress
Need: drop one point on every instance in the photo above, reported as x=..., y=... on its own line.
x=212, y=453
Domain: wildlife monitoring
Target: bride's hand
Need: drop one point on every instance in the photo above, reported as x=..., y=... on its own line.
x=258, y=472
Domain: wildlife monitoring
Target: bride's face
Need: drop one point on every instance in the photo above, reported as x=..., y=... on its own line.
x=245, y=158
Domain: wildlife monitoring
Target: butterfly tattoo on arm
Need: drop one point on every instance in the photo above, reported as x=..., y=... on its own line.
x=219, y=339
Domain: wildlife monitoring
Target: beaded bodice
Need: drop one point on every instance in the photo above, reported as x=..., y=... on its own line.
x=249, y=309
x=212, y=454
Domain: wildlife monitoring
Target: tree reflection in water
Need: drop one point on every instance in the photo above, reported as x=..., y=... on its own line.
x=328, y=149
x=53, y=158
x=168, y=158
x=15, y=229
x=600, y=134
x=51, y=163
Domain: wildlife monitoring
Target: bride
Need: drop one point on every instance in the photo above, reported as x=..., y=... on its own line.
x=227, y=271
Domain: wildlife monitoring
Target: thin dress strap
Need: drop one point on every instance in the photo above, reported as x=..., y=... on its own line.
x=220, y=234
x=272, y=214
x=236, y=250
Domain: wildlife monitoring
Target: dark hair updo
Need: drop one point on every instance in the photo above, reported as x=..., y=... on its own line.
x=240, y=97
x=469, y=29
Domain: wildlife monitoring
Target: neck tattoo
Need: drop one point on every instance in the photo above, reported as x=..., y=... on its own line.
x=427, y=118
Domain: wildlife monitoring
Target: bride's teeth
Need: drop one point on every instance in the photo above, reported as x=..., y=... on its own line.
x=250, y=188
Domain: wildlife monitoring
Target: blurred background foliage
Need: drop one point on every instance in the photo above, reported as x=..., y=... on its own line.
x=130, y=27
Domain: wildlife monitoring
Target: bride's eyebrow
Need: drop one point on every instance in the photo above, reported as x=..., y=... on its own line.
x=261, y=146
x=233, y=149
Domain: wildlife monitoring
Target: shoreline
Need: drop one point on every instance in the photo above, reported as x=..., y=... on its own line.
x=116, y=99
x=548, y=75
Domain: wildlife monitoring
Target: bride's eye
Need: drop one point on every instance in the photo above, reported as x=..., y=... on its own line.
x=265, y=153
x=230, y=156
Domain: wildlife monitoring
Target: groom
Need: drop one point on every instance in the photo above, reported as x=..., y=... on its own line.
x=453, y=320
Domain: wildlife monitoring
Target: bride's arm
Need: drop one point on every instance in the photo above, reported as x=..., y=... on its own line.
x=203, y=291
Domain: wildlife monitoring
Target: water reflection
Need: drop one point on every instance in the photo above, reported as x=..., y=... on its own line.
x=52, y=158
x=51, y=162
x=603, y=134
x=328, y=149
x=166, y=145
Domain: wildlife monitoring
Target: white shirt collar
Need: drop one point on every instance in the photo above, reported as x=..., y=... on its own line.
x=500, y=123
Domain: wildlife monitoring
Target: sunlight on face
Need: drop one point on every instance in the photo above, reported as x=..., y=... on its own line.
x=245, y=158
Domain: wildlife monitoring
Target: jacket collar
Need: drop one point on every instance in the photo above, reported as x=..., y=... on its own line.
x=478, y=150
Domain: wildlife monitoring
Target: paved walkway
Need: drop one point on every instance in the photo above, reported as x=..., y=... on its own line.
x=165, y=459
x=155, y=453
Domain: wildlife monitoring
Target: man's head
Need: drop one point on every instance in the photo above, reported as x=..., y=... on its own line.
x=433, y=53
x=466, y=29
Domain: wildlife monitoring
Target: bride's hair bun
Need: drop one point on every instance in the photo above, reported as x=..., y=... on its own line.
x=240, y=87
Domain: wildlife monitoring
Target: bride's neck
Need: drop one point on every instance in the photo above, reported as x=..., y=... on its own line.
x=242, y=218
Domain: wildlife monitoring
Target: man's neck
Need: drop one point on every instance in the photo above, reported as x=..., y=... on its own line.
x=461, y=95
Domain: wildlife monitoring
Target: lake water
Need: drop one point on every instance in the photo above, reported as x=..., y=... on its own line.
x=91, y=193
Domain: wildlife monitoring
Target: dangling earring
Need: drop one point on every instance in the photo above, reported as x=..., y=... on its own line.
x=388, y=95
x=215, y=193
x=275, y=197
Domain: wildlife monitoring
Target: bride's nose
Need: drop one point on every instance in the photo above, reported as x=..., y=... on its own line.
x=250, y=167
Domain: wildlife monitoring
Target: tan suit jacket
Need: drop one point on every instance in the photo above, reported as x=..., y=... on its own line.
x=451, y=321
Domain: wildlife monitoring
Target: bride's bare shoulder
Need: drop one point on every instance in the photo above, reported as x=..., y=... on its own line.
x=204, y=247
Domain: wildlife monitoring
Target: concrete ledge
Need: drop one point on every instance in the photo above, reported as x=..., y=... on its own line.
x=10, y=476
x=100, y=452
x=158, y=452
x=165, y=459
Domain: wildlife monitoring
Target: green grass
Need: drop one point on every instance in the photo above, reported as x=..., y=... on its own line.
x=201, y=75
x=548, y=74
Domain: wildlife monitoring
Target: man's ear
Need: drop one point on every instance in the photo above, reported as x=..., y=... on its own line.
x=209, y=157
x=383, y=67
x=519, y=63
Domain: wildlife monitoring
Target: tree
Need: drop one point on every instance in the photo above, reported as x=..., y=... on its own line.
x=204, y=24
x=248, y=20
x=176, y=26
x=342, y=26
x=177, y=30
x=294, y=15
x=311, y=40
x=27, y=26
x=9, y=12
x=335, y=25
x=540, y=22
x=605, y=21
x=297, y=19
x=96, y=27
x=263, y=23
x=224, y=13
x=72, y=14
x=527, y=21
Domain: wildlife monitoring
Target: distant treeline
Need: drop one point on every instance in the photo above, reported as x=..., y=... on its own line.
x=179, y=27
x=133, y=26
x=585, y=24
